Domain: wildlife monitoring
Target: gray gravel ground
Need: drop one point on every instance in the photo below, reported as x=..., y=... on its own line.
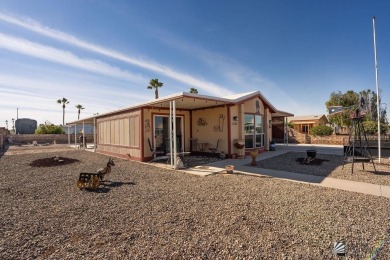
x=332, y=167
x=152, y=213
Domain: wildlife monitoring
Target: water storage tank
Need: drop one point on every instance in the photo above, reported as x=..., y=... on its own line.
x=25, y=126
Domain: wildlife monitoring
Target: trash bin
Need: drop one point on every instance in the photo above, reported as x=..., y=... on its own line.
x=272, y=146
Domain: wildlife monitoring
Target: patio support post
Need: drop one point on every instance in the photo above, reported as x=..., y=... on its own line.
x=75, y=136
x=174, y=134
x=83, y=136
x=94, y=134
x=68, y=136
x=170, y=131
x=285, y=127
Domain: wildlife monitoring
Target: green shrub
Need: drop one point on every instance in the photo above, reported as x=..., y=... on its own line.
x=49, y=129
x=371, y=127
x=321, y=130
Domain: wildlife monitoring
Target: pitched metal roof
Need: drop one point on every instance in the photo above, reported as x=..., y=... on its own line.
x=189, y=101
x=306, y=118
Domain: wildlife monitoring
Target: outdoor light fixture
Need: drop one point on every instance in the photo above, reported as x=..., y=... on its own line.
x=6, y=123
x=235, y=118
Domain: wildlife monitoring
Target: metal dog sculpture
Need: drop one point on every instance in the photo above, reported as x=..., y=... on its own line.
x=102, y=172
x=92, y=180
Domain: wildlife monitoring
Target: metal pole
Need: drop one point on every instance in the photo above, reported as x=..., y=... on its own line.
x=84, y=145
x=377, y=91
x=94, y=134
x=174, y=134
x=68, y=136
x=170, y=132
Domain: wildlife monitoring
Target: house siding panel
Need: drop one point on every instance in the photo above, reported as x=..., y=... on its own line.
x=119, y=134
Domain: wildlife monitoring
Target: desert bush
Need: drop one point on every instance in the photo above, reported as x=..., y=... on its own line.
x=321, y=130
x=49, y=129
x=371, y=127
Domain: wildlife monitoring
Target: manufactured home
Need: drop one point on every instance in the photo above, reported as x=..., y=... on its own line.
x=196, y=123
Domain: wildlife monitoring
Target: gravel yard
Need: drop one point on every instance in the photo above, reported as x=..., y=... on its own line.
x=149, y=212
x=331, y=167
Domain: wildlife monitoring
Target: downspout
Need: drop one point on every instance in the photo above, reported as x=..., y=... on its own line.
x=191, y=148
x=143, y=135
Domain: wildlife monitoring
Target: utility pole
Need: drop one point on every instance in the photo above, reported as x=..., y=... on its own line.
x=377, y=92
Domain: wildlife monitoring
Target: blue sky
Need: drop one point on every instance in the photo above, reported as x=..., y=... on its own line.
x=102, y=53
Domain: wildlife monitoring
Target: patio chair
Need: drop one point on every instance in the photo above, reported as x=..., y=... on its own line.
x=154, y=152
x=214, y=149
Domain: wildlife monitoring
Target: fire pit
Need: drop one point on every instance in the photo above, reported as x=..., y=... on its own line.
x=311, y=153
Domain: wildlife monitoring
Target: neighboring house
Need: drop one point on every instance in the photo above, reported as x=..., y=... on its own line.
x=200, y=122
x=303, y=124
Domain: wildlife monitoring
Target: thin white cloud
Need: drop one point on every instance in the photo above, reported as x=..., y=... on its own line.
x=25, y=47
x=32, y=93
x=35, y=26
x=15, y=84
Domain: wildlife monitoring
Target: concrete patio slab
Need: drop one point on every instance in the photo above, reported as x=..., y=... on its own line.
x=204, y=170
x=385, y=191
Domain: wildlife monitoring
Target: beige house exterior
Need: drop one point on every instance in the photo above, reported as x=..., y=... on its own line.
x=303, y=124
x=202, y=122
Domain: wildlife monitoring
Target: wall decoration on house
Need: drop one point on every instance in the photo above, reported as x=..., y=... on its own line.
x=202, y=121
x=219, y=127
x=257, y=107
x=147, y=126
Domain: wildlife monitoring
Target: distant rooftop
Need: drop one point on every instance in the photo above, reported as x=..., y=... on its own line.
x=306, y=118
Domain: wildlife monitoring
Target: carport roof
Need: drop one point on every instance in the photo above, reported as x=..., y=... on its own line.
x=187, y=101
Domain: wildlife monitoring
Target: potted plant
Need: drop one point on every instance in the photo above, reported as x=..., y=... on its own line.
x=239, y=145
x=254, y=154
x=229, y=168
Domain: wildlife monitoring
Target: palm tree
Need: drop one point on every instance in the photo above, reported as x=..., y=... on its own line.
x=193, y=91
x=79, y=107
x=154, y=83
x=63, y=101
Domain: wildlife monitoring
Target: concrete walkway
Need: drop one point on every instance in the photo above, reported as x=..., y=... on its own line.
x=239, y=166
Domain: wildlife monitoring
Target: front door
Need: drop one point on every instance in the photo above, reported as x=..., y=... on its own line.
x=161, y=133
x=254, y=131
